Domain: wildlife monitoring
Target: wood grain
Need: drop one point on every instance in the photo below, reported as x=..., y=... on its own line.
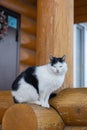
x=80, y=11
x=23, y=67
x=72, y=106
x=27, y=57
x=19, y=7
x=75, y=128
x=6, y=101
x=32, y=2
x=0, y=127
x=48, y=119
x=28, y=25
x=19, y=117
x=55, y=33
x=31, y=117
x=28, y=41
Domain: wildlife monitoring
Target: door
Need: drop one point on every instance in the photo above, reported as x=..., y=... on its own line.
x=9, y=50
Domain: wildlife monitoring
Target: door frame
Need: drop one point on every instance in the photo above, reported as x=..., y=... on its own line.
x=18, y=17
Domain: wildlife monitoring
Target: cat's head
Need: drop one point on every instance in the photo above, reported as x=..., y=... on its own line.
x=58, y=64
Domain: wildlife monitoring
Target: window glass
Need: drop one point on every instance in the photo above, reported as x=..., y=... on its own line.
x=12, y=22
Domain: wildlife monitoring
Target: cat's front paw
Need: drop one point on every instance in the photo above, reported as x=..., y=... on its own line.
x=46, y=105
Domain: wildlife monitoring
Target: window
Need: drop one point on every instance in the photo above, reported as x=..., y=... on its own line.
x=80, y=53
x=12, y=22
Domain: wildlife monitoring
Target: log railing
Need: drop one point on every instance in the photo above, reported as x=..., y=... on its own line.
x=68, y=111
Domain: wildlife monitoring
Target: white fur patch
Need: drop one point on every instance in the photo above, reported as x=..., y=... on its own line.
x=25, y=93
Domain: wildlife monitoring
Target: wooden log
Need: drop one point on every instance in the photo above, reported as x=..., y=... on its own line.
x=80, y=11
x=55, y=33
x=75, y=128
x=27, y=57
x=31, y=117
x=23, y=67
x=19, y=117
x=79, y=3
x=28, y=25
x=0, y=127
x=72, y=106
x=28, y=41
x=19, y=7
x=32, y=2
x=6, y=101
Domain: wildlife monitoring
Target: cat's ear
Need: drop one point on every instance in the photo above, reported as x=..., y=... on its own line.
x=64, y=58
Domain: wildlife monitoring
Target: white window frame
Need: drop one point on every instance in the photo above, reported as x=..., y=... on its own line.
x=82, y=76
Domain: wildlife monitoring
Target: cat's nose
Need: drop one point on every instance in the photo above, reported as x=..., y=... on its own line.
x=57, y=71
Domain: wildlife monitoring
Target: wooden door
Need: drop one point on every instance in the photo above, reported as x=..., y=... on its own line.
x=9, y=52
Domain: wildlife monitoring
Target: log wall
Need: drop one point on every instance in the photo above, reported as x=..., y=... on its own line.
x=28, y=10
x=80, y=11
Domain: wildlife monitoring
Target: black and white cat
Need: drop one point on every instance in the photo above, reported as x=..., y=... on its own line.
x=36, y=84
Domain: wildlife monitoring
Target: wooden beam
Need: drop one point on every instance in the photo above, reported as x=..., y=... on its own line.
x=80, y=3
x=71, y=104
x=28, y=25
x=19, y=8
x=55, y=33
x=19, y=115
x=28, y=41
x=6, y=101
x=27, y=57
x=32, y=2
x=31, y=117
x=80, y=11
x=76, y=128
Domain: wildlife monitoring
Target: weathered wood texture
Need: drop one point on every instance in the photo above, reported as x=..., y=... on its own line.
x=72, y=106
x=55, y=33
x=31, y=117
x=6, y=101
x=69, y=109
x=28, y=11
x=27, y=56
x=0, y=127
x=48, y=119
x=19, y=117
x=80, y=11
x=20, y=7
x=33, y=2
x=75, y=128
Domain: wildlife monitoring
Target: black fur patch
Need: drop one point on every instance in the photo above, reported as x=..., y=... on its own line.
x=15, y=84
x=54, y=60
x=15, y=100
x=31, y=78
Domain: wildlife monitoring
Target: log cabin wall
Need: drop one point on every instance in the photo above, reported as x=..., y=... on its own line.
x=80, y=11
x=54, y=31
x=28, y=10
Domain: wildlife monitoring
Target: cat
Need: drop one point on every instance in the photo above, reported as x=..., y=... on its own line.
x=37, y=83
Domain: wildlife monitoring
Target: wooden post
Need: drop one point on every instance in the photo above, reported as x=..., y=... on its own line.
x=55, y=33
